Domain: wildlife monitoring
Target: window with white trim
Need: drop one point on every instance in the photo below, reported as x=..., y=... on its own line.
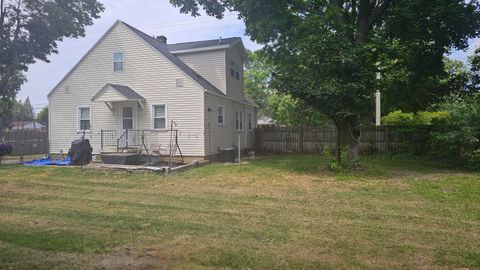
x=239, y=120
x=220, y=115
x=84, y=118
x=250, y=122
x=159, y=116
x=118, y=61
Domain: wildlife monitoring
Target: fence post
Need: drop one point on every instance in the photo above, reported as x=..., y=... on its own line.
x=301, y=139
x=101, y=139
x=387, y=138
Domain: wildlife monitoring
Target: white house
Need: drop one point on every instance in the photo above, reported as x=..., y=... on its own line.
x=130, y=87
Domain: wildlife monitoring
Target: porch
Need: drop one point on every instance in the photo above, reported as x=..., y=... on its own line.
x=146, y=146
x=121, y=139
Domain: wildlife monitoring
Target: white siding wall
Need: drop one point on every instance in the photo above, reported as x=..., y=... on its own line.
x=147, y=72
x=210, y=64
x=217, y=136
x=234, y=86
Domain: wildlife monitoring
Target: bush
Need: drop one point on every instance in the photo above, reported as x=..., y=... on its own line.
x=399, y=118
x=459, y=140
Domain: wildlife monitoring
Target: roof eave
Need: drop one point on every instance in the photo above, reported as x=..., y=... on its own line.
x=210, y=48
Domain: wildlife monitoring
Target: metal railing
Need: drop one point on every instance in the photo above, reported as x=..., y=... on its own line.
x=108, y=138
x=130, y=138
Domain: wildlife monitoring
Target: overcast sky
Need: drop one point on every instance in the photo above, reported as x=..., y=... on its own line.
x=154, y=17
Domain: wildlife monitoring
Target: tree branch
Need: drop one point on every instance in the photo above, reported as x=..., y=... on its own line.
x=11, y=67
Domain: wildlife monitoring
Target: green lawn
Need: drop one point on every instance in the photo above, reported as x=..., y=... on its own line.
x=278, y=212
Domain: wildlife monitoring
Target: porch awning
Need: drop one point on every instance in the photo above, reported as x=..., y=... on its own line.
x=116, y=93
x=112, y=93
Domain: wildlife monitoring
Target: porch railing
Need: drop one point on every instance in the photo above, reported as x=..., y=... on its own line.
x=108, y=138
x=130, y=138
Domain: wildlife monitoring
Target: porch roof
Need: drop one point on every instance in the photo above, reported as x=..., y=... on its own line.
x=116, y=93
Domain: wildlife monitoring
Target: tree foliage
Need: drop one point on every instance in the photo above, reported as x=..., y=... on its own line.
x=325, y=53
x=285, y=109
x=30, y=30
x=42, y=116
x=460, y=137
x=257, y=78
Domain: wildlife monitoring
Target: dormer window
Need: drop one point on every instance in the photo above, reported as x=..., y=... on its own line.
x=234, y=70
x=118, y=61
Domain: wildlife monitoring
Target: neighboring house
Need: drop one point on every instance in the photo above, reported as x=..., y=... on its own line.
x=131, y=84
x=26, y=125
x=265, y=121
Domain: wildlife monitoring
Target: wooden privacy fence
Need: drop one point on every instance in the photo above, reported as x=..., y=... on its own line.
x=279, y=139
x=26, y=142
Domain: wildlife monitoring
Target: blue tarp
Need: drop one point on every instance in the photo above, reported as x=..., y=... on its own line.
x=48, y=162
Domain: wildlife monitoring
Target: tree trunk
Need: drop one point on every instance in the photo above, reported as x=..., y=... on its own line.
x=347, y=137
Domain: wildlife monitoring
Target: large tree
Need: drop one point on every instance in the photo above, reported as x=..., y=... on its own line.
x=327, y=52
x=30, y=30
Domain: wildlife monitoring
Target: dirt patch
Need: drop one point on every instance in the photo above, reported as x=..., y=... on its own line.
x=127, y=258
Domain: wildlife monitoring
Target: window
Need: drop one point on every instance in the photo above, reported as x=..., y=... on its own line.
x=250, y=123
x=234, y=70
x=239, y=120
x=159, y=117
x=220, y=115
x=127, y=117
x=118, y=61
x=84, y=118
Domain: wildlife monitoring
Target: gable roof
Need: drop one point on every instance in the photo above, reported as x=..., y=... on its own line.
x=163, y=49
x=220, y=43
x=125, y=91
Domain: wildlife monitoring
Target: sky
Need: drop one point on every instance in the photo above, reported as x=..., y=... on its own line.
x=154, y=17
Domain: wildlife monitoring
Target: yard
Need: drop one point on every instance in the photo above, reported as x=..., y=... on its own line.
x=277, y=212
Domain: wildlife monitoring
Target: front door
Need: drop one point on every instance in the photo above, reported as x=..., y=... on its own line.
x=127, y=124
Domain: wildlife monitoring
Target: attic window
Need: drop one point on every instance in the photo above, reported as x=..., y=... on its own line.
x=179, y=83
x=67, y=90
x=118, y=61
x=234, y=70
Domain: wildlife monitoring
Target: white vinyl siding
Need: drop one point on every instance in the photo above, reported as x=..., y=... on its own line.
x=159, y=120
x=221, y=115
x=235, y=66
x=226, y=136
x=149, y=74
x=210, y=65
x=84, y=116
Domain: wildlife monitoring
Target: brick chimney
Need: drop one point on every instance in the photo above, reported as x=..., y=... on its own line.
x=162, y=39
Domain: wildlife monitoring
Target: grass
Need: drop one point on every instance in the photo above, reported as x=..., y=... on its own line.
x=277, y=212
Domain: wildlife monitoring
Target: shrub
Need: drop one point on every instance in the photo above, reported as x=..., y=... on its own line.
x=459, y=139
x=399, y=118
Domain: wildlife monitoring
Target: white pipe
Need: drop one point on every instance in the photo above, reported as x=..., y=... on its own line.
x=239, y=138
x=378, y=108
